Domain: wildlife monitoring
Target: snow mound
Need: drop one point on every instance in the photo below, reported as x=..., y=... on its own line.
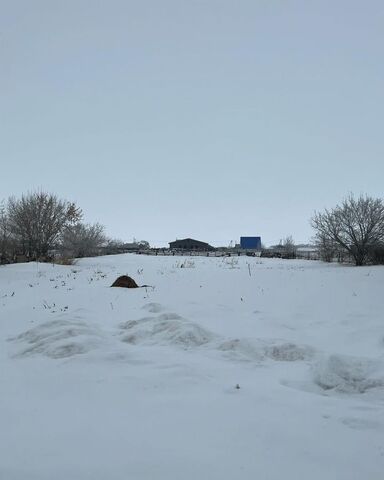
x=261, y=349
x=57, y=339
x=153, y=307
x=165, y=329
x=243, y=349
x=348, y=374
x=289, y=352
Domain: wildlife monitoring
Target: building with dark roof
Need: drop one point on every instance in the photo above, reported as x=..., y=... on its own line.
x=191, y=245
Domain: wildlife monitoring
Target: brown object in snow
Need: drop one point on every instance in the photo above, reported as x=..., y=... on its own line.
x=125, y=282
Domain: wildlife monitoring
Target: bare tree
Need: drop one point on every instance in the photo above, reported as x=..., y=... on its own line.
x=143, y=244
x=286, y=248
x=113, y=246
x=83, y=240
x=289, y=246
x=356, y=226
x=37, y=220
x=5, y=237
x=327, y=248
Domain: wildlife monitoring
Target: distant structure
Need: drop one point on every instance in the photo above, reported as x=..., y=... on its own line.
x=116, y=247
x=250, y=243
x=191, y=245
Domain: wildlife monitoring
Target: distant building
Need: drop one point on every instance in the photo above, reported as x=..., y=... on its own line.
x=189, y=244
x=250, y=243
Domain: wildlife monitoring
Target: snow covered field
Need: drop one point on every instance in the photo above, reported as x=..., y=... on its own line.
x=104, y=383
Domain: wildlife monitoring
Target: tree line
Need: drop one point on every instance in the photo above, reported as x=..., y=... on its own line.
x=40, y=225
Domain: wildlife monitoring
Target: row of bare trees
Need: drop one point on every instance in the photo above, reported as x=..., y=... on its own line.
x=353, y=229
x=39, y=225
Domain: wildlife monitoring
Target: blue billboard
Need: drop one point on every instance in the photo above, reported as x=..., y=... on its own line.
x=250, y=243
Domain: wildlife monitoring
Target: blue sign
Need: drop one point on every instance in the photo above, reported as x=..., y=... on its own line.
x=250, y=243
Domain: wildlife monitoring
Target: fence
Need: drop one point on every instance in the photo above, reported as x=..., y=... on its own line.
x=196, y=253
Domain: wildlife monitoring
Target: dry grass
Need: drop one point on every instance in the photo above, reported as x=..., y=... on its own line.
x=64, y=261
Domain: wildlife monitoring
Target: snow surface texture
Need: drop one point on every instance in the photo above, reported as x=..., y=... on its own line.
x=226, y=368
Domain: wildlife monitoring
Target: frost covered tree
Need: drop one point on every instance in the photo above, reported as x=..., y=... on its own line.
x=356, y=226
x=5, y=236
x=83, y=240
x=37, y=220
x=113, y=246
x=289, y=246
x=143, y=244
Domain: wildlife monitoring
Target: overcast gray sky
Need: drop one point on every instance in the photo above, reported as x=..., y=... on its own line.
x=212, y=119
